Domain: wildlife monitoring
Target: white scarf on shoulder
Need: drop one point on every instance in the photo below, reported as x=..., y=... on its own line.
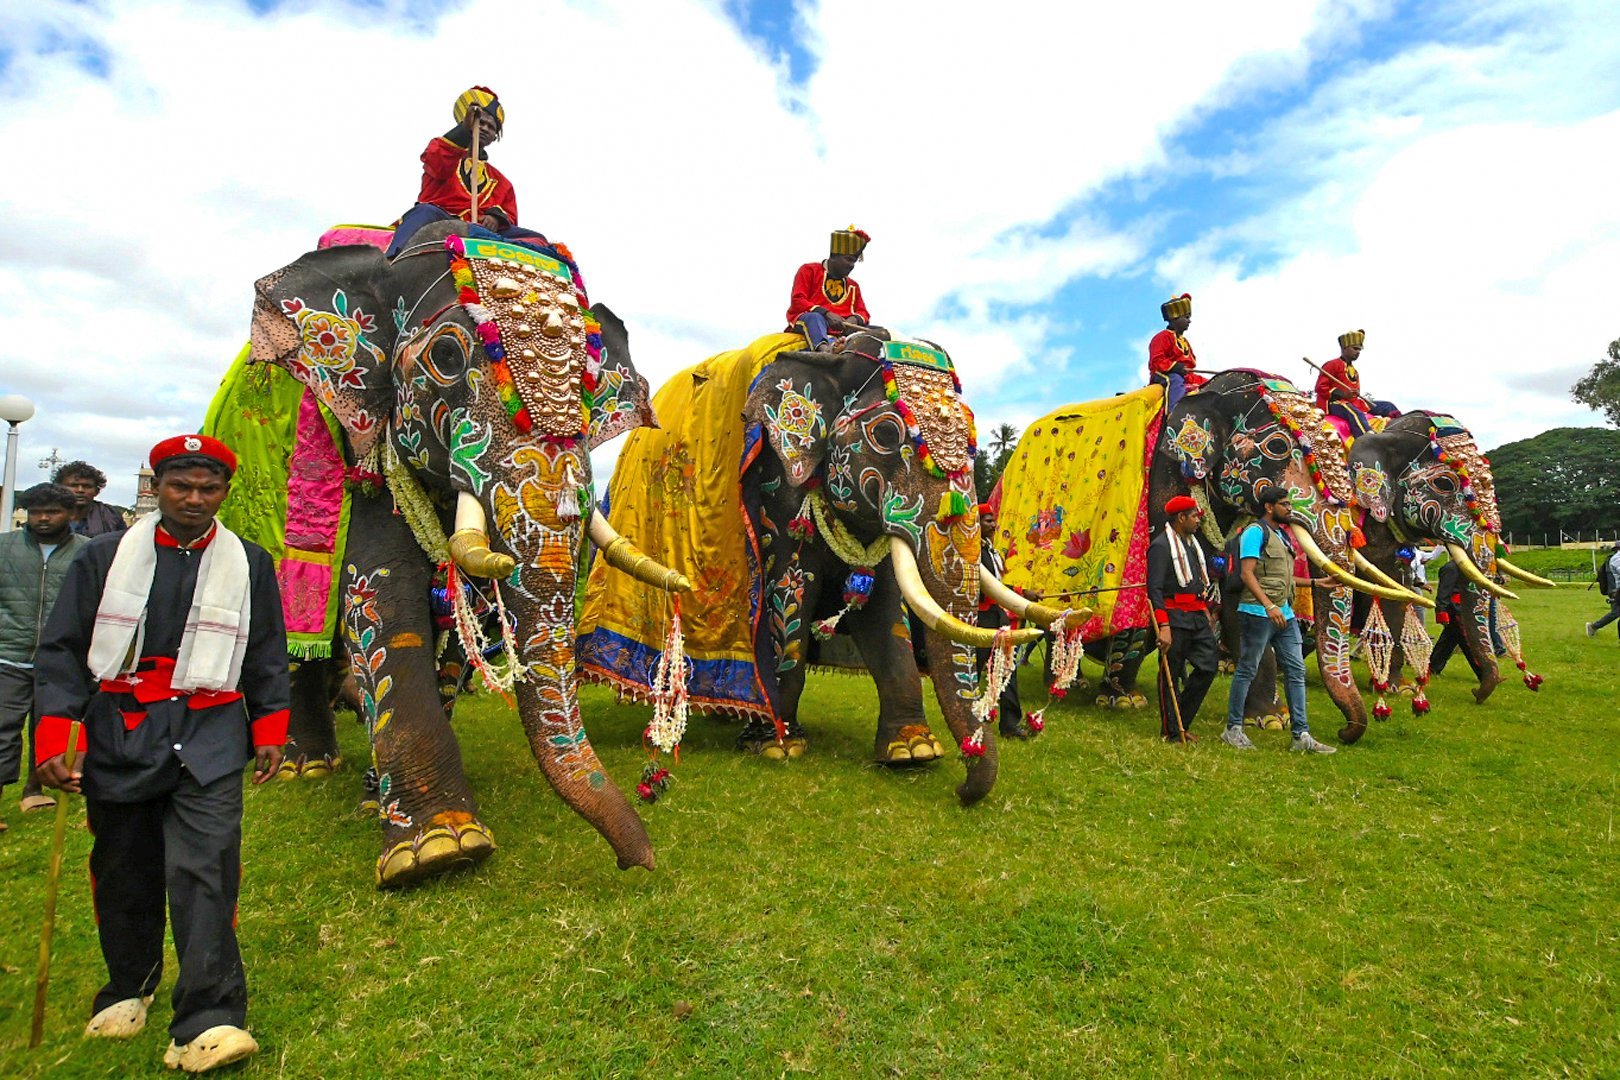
x=216, y=632
x=1182, y=562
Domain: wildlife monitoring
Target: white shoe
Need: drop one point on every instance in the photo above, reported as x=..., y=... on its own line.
x=120, y=1020
x=219, y=1045
x=1305, y=744
x=1591, y=631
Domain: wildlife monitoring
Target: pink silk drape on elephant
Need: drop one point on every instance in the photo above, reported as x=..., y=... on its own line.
x=1073, y=511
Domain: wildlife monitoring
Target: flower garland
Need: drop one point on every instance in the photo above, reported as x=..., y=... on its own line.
x=997, y=673
x=1464, y=480
x=1508, y=627
x=669, y=692
x=891, y=390
x=470, y=631
x=1418, y=646
x=1306, y=445
x=1066, y=649
x=414, y=505
x=1380, y=646
x=655, y=781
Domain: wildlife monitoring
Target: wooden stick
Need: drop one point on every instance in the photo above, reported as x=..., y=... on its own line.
x=1342, y=384
x=1091, y=592
x=474, y=115
x=1168, y=685
x=53, y=876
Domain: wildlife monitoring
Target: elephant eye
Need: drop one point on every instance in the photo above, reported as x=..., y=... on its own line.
x=1444, y=482
x=1277, y=445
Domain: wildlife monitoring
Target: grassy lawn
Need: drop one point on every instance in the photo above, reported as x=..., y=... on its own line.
x=1438, y=900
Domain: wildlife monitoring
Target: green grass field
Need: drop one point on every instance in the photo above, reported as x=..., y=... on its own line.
x=1438, y=900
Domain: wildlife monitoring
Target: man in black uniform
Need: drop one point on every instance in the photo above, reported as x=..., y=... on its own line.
x=1178, y=588
x=167, y=642
x=1450, y=613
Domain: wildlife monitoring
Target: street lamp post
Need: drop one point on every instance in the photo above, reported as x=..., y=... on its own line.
x=14, y=409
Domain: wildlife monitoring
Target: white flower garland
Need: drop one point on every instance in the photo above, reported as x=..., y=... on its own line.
x=669, y=694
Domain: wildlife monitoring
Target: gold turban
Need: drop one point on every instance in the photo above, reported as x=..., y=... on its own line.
x=1352, y=337
x=479, y=97
x=1176, y=307
x=850, y=241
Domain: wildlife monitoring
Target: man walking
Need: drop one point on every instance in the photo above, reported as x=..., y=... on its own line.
x=33, y=562
x=167, y=643
x=1608, y=583
x=1266, y=563
x=1449, y=613
x=1178, y=587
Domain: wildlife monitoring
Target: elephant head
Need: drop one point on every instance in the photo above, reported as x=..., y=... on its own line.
x=1244, y=430
x=880, y=434
x=471, y=372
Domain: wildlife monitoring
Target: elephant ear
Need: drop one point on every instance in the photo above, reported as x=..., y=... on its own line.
x=622, y=399
x=794, y=401
x=324, y=320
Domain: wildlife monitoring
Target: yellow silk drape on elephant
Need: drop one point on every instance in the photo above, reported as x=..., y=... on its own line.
x=1072, y=512
x=676, y=491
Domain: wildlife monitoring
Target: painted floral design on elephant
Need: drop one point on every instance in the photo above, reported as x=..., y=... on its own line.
x=795, y=423
x=331, y=346
x=787, y=608
x=363, y=627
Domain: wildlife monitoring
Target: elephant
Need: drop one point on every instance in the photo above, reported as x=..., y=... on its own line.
x=855, y=499
x=470, y=382
x=1423, y=479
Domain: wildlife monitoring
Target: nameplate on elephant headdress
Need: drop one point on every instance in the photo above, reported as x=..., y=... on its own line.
x=922, y=383
x=534, y=330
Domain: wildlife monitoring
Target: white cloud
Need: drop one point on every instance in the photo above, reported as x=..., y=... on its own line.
x=663, y=145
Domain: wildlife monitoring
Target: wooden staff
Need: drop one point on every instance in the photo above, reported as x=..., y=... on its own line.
x=474, y=115
x=1342, y=384
x=1092, y=592
x=43, y=979
x=1169, y=687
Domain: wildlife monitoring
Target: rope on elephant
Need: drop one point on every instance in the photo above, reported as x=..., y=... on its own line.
x=1508, y=627
x=1380, y=646
x=1418, y=647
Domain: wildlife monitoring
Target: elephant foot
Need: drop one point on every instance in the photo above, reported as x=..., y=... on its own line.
x=913, y=744
x=1486, y=688
x=450, y=841
x=307, y=768
x=1137, y=699
x=1227, y=667
x=1407, y=689
x=786, y=749
x=1272, y=721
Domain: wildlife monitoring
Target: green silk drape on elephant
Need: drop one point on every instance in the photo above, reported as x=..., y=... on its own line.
x=283, y=438
x=1073, y=511
x=676, y=489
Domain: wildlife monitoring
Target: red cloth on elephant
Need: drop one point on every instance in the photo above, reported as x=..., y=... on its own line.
x=812, y=289
x=444, y=183
x=1344, y=372
x=1169, y=353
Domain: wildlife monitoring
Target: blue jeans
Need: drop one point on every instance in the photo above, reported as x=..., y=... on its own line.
x=1258, y=631
x=426, y=213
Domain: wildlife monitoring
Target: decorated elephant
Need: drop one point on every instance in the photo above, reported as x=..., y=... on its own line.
x=1422, y=479
x=468, y=381
x=809, y=494
x=1077, y=511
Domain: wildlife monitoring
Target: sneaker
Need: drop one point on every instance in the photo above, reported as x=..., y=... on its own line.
x=218, y=1046
x=1591, y=631
x=120, y=1020
x=1310, y=746
x=1234, y=737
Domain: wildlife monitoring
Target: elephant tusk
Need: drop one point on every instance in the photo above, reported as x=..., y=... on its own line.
x=1523, y=575
x=469, y=544
x=937, y=618
x=621, y=554
x=1373, y=573
x=1473, y=573
x=1000, y=593
x=1320, y=560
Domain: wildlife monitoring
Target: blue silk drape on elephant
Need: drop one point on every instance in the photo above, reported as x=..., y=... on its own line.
x=676, y=490
x=1073, y=511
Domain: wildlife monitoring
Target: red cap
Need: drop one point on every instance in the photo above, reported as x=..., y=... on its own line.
x=181, y=445
x=986, y=508
x=1180, y=503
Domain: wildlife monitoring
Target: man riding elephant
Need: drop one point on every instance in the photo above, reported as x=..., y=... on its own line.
x=826, y=301
x=1170, y=354
x=450, y=176
x=1338, y=390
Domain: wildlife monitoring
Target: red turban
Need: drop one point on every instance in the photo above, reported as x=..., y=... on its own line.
x=183, y=445
x=1180, y=503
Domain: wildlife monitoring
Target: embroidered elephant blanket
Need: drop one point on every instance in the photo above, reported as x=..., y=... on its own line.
x=676, y=491
x=1073, y=511
x=288, y=494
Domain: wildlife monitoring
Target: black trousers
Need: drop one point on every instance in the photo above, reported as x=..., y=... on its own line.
x=1451, y=639
x=186, y=844
x=1189, y=667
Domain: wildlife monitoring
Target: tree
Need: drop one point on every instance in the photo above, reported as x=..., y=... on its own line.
x=1003, y=441
x=1564, y=480
x=1600, y=388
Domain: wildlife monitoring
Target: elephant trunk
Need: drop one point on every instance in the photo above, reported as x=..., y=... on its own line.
x=954, y=671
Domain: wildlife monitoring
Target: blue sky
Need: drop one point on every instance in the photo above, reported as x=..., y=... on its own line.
x=1036, y=177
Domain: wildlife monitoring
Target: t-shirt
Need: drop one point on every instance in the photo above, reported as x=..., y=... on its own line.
x=1249, y=545
x=1614, y=573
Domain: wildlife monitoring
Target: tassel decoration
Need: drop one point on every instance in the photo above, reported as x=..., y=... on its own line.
x=669, y=691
